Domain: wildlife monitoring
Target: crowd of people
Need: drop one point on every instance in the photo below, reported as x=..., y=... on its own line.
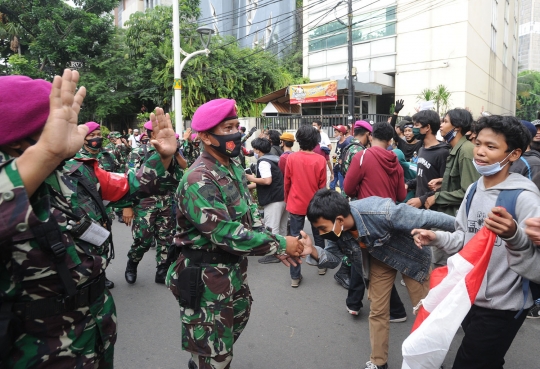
x=372, y=204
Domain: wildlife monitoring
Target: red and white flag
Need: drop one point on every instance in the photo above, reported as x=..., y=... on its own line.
x=453, y=290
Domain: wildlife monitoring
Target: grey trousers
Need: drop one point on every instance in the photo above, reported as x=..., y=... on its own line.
x=275, y=217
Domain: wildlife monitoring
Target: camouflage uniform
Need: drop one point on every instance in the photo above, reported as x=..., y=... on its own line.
x=355, y=146
x=216, y=213
x=120, y=152
x=78, y=337
x=106, y=160
x=191, y=152
x=153, y=222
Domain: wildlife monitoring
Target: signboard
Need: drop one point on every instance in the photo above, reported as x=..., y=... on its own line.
x=74, y=64
x=177, y=84
x=313, y=92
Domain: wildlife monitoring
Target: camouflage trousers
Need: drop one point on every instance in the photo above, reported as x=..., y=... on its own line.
x=210, y=332
x=83, y=338
x=153, y=225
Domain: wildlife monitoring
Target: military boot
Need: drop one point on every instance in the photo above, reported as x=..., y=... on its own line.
x=161, y=273
x=131, y=271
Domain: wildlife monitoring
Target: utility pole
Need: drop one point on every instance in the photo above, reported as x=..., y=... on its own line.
x=350, y=57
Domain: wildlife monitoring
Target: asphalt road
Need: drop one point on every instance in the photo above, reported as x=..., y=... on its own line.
x=303, y=328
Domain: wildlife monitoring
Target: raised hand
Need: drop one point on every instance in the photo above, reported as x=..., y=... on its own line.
x=62, y=137
x=165, y=141
x=187, y=135
x=398, y=106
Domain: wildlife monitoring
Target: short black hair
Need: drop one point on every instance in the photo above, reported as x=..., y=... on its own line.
x=360, y=131
x=307, y=137
x=288, y=143
x=460, y=118
x=262, y=144
x=383, y=131
x=425, y=117
x=515, y=134
x=274, y=136
x=319, y=123
x=327, y=204
x=243, y=129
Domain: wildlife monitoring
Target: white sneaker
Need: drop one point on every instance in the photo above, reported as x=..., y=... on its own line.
x=353, y=312
x=296, y=282
x=370, y=365
x=322, y=271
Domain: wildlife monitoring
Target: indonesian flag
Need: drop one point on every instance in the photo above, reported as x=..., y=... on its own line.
x=453, y=289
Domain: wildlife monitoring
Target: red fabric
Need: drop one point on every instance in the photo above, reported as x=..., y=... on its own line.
x=305, y=174
x=112, y=186
x=283, y=161
x=320, y=151
x=380, y=175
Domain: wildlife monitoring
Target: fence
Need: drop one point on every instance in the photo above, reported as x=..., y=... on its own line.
x=285, y=123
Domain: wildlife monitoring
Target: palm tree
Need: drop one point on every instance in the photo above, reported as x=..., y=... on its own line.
x=10, y=31
x=426, y=95
x=442, y=97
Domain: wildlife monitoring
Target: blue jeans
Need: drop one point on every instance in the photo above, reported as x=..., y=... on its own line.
x=337, y=177
x=297, y=224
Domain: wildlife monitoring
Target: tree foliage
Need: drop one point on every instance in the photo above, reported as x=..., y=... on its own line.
x=528, y=95
x=52, y=33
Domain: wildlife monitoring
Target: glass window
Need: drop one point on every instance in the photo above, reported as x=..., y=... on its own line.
x=337, y=40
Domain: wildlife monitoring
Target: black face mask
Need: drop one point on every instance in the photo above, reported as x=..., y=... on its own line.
x=144, y=141
x=95, y=143
x=332, y=235
x=229, y=145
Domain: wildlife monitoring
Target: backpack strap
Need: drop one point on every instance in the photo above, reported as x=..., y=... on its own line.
x=529, y=174
x=470, y=195
x=362, y=158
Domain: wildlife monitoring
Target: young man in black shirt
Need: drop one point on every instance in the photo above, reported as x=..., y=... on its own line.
x=410, y=144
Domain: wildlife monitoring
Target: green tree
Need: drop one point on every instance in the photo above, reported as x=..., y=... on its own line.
x=52, y=33
x=528, y=95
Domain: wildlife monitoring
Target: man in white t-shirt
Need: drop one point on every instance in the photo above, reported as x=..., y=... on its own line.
x=134, y=140
x=325, y=140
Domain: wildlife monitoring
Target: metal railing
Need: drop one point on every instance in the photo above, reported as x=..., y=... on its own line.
x=292, y=122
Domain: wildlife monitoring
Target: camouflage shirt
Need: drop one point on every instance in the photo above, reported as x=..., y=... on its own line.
x=191, y=152
x=137, y=159
x=27, y=272
x=120, y=152
x=106, y=160
x=354, y=147
x=216, y=210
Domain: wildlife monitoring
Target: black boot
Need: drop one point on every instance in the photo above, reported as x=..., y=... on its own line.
x=131, y=271
x=161, y=273
x=109, y=284
x=343, y=276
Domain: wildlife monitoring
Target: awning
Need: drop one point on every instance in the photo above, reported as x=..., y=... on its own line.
x=277, y=108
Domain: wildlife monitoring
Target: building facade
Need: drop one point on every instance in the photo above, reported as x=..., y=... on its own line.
x=127, y=7
x=254, y=23
x=406, y=46
x=529, y=35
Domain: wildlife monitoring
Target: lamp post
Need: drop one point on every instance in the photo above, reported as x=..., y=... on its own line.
x=179, y=66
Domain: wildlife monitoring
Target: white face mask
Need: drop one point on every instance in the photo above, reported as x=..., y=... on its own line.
x=489, y=170
x=256, y=155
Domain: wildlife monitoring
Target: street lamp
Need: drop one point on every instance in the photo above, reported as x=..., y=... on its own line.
x=179, y=66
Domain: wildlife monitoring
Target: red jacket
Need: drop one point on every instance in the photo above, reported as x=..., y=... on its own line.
x=379, y=175
x=305, y=174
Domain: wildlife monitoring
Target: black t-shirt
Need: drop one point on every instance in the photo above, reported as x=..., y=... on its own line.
x=431, y=165
x=407, y=148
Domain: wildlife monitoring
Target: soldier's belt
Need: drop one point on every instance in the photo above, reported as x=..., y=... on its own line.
x=44, y=308
x=199, y=257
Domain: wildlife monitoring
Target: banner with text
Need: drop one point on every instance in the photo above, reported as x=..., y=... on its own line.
x=313, y=92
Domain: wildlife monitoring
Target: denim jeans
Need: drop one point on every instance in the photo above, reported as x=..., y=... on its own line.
x=297, y=224
x=337, y=177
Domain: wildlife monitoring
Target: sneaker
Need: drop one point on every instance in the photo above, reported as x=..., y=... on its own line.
x=343, y=276
x=353, y=312
x=394, y=319
x=191, y=364
x=403, y=283
x=370, y=365
x=322, y=271
x=296, y=282
x=533, y=313
x=268, y=259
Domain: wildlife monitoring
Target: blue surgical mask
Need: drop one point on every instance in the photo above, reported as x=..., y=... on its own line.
x=450, y=136
x=492, y=169
x=256, y=155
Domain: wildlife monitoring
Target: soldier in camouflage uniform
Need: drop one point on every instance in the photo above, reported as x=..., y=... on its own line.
x=52, y=290
x=361, y=140
x=92, y=149
x=119, y=147
x=218, y=225
x=153, y=224
x=191, y=147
